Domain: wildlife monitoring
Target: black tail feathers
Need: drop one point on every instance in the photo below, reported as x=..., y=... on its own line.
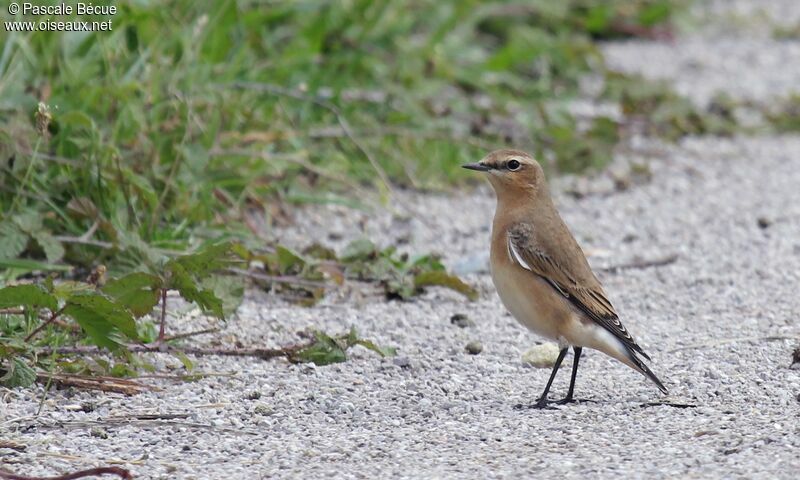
x=646, y=371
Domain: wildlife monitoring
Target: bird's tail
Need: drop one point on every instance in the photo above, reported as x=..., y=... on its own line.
x=639, y=365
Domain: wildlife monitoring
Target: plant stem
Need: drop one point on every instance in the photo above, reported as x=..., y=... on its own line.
x=263, y=353
x=163, y=316
x=92, y=472
x=50, y=320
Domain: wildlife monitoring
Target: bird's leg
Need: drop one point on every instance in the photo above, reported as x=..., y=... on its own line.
x=571, y=390
x=542, y=402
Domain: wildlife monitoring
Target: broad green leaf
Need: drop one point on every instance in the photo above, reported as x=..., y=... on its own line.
x=324, y=351
x=101, y=318
x=53, y=249
x=288, y=260
x=68, y=288
x=29, y=296
x=137, y=291
x=206, y=261
x=148, y=331
x=189, y=289
x=28, y=222
x=131, y=242
x=18, y=374
x=360, y=249
x=241, y=251
x=444, y=279
x=227, y=288
x=122, y=370
x=13, y=241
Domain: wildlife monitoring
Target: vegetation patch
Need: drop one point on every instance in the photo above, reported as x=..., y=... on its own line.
x=149, y=150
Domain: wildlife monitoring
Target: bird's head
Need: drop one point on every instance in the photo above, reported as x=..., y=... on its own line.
x=511, y=172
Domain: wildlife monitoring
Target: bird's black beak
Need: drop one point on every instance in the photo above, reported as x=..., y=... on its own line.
x=480, y=167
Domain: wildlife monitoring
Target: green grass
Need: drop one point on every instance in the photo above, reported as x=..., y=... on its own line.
x=168, y=129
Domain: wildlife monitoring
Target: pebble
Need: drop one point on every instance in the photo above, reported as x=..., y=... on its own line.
x=541, y=356
x=461, y=320
x=474, y=347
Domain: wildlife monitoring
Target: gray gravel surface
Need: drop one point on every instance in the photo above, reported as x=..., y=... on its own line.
x=720, y=323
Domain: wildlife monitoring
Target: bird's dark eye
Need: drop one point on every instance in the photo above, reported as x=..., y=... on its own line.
x=513, y=165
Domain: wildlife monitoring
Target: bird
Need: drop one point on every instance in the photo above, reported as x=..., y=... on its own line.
x=542, y=275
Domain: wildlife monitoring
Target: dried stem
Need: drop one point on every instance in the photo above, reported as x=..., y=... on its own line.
x=191, y=334
x=120, y=472
x=263, y=353
x=643, y=263
x=41, y=327
x=105, y=384
x=163, y=315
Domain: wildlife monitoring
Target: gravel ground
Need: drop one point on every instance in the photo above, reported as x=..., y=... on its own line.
x=717, y=323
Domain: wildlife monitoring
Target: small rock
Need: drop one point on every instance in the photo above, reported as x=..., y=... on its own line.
x=474, y=347
x=98, y=432
x=541, y=356
x=402, y=362
x=254, y=395
x=461, y=320
x=763, y=222
x=262, y=409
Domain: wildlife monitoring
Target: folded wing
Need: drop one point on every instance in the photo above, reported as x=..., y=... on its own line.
x=574, y=280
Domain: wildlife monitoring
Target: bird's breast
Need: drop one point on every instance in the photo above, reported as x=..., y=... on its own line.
x=529, y=298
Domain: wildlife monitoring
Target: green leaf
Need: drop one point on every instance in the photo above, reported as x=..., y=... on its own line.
x=29, y=296
x=444, y=279
x=18, y=374
x=382, y=351
x=28, y=222
x=206, y=261
x=180, y=280
x=33, y=265
x=137, y=291
x=53, y=249
x=288, y=260
x=67, y=288
x=147, y=330
x=227, y=288
x=360, y=249
x=101, y=318
x=14, y=241
x=188, y=364
x=324, y=351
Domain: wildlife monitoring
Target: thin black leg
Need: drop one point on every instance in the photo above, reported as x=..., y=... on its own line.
x=542, y=402
x=571, y=390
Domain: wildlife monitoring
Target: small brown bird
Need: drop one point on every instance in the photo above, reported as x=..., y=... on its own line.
x=542, y=275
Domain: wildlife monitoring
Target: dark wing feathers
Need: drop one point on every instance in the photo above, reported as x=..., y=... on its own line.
x=587, y=294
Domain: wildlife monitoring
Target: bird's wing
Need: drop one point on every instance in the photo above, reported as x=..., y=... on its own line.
x=571, y=277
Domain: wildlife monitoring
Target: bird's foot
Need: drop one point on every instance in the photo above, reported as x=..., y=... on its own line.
x=567, y=400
